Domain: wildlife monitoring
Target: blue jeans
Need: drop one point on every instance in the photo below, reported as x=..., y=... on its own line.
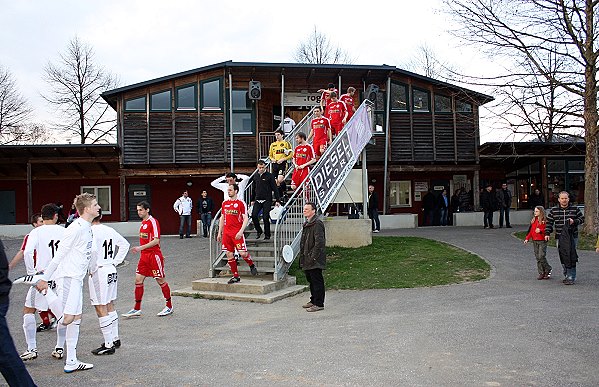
x=11, y=365
x=206, y=222
x=183, y=219
x=443, y=213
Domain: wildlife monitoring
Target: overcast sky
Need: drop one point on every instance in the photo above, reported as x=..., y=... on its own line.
x=141, y=40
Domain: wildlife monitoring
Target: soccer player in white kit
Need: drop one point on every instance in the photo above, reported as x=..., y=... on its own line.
x=42, y=244
x=222, y=184
x=110, y=249
x=68, y=268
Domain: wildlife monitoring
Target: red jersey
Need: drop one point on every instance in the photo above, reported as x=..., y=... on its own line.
x=320, y=129
x=303, y=154
x=326, y=96
x=233, y=211
x=149, y=230
x=348, y=100
x=335, y=112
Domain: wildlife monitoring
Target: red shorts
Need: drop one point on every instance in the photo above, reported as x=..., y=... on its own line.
x=230, y=244
x=151, y=264
x=319, y=147
x=299, y=175
x=336, y=128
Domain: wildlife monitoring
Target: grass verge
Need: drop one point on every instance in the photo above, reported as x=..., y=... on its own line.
x=398, y=262
x=585, y=241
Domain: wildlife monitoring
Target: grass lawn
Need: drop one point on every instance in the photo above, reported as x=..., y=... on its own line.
x=585, y=241
x=398, y=262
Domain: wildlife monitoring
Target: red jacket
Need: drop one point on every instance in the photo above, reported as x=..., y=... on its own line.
x=540, y=236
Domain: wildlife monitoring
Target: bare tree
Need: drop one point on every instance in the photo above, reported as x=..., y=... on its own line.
x=76, y=83
x=425, y=61
x=318, y=49
x=14, y=111
x=529, y=30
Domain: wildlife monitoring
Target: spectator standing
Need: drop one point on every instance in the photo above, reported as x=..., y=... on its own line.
x=288, y=125
x=488, y=203
x=261, y=199
x=183, y=206
x=443, y=205
x=279, y=153
x=565, y=219
x=313, y=257
x=504, y=202
x=464, y=198
x=373, y=209
x=536, y=199
x=428, y=203
x=536, y=232
x=205, y=207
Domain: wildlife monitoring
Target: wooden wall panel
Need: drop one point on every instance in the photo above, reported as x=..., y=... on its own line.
x=466, y=137
x=423, y=137
x=212, y=138
x=186, y=138
x=161, y=139
x=401, y=139
x=444, y=137
x=134, y=138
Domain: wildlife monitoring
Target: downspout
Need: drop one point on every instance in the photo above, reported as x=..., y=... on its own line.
x=387, y=141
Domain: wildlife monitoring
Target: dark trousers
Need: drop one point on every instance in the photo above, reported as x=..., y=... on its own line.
x=429, y=216
x=265, y=206
x=316, y=281
x=206, y=222
x=11, y=365
x=488, y=218
x=182, y=220
x=507, y=216
x=373, y=214
x=276, y=168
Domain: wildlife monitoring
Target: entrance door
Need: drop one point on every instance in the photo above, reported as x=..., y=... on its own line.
x=7, y=207
x=137, y=193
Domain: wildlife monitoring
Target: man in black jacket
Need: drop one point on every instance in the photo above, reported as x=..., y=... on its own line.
x=261, y=199
x=11, y=365
x=560, y=218
x=373, y=209
x=205, y=207
x=504, y=202
x=488, y=203
x=313, y=257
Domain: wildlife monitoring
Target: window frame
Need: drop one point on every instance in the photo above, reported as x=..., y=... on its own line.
x=428, y=99
x=170, y=100
x=457, y=110
x=407, y=95
x=250, y=110
x=145, y=100
x=410, y=192
x=95, y=189
x=220, y=95
x=435, y=104
x=195, y=97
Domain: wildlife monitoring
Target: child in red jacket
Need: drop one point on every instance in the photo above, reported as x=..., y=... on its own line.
x=536, y=232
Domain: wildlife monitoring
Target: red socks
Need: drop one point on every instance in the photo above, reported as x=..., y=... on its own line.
x=248, y=259
x=139, y=293
x=233, y=265
x=166, y=292
x=45, y=317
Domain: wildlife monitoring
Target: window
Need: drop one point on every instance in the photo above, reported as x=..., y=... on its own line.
x=102, y=193
x=576, y=166
x=556, y=166
x=400, y=194
x=186, y=97
x=399, y=97
x=211, y=95
x=442, y=104
x=379, y=123
x=463, y=107
x=136, y=104
x=420, y=100
x=243, y=117
x=160, y=102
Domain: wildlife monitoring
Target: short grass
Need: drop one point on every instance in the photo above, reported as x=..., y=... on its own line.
x=398, y=262
x=585, y=241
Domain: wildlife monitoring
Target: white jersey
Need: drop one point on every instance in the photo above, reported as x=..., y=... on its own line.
x=73, y=257
x=43, y=241
x=221, y=184
x=288, y=125
x=110, y=248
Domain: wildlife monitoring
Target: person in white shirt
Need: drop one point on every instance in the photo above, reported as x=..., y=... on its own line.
x=222, y=183
x=183, y=207
x=68, y=268
x=288, y=124
x=110, y=249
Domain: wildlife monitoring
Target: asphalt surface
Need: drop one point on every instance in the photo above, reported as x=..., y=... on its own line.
x=508, y=330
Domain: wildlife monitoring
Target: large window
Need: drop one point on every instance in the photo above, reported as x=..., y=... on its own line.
x=463, y=107
x=442, y=104
x=420, y=100
x=187, y=97
x=399, y=97
x=136, y=104
x=160, y=102
x=211, y=95
x=400, y=194
x=243, y=117
x=102, y=193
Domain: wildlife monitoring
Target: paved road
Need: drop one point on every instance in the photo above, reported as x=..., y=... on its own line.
x=509, y=330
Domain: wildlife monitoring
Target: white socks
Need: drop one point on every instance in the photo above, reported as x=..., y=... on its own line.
x=106, y=328
x=115, y=324
x=72, y=338
x=29, y=328
x=61, y=335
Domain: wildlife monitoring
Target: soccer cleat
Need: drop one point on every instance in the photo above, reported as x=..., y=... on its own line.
x=43, y=327
x=28, y=279
x=234, y=280
x=165, y=312
x=104, y=351
x=132, y=313
x=29, y=355
x=80, y=366
x=117, y=343
x=253, y=270
x=58, y=353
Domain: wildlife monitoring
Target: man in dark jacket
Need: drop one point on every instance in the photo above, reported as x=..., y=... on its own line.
x=536, y=199
x=313, y=257
x=373, y=209
x=504, y=202
x=428, y=204
x=488, y=203
x=205, y=207
x=561, y=217
x=11, y=365
x=261, y=198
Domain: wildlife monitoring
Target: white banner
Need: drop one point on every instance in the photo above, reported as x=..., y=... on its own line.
x=301, y=99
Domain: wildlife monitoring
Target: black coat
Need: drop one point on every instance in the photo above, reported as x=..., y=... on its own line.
x=567, y=249
x=488, y=201
x=536, y=200
x=5, y=283
x=264, y=186
x=312, y=254
x=373, y=201
x=209, y=205
x=428, y=202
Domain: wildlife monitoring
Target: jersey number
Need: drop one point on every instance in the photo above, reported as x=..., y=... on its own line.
x=54, y=246
x=107, y=248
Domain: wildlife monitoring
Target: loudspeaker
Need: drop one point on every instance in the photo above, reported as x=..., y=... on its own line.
x=371, y=92
x=255, y=90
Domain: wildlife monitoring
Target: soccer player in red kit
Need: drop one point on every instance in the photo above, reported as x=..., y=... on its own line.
x=233, y=220
x=348, y=100
x=325, y=97
x=320, y=132
x=337, y=114
x=303, y=157
x=151, y=261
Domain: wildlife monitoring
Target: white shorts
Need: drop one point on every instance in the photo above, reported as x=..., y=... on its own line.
x=103, y=285
x=37, y=300
x=70, y=291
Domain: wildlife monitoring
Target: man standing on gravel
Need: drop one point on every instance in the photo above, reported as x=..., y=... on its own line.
x=313, y=257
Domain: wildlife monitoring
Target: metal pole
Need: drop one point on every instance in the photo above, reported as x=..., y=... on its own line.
x=364, y=185
x=387, y=137
x=282, y=97
x=231, y=116
x=339, y=86
x=29, y=191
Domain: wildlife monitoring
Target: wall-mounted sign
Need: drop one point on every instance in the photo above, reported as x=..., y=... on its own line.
x=301, y=99
x=421, y=186
x=139, y=193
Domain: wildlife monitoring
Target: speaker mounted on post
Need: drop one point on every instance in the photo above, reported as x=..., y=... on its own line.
x=255, y=90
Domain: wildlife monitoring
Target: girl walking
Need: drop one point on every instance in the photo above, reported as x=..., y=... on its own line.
x=536, y=232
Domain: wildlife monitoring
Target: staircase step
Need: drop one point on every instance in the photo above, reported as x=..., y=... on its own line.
x=262, y=284
x=263, y=269
x=259, y=298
